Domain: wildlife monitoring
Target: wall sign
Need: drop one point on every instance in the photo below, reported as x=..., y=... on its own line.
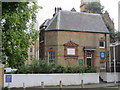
x=102, y=55
x=8, y=78
x=70, y=51
x=80, y=62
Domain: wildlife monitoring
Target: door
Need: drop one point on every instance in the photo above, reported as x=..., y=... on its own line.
x=89, y=59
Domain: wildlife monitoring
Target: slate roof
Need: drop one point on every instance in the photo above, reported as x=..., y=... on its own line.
x=86, y=1
x=77, y=21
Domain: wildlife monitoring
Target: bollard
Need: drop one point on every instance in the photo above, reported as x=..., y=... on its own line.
x=42, y=84
x=24, y=86
x=60, y=84
x=82, y=84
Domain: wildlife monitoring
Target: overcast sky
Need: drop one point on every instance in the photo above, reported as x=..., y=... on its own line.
x=48, y=8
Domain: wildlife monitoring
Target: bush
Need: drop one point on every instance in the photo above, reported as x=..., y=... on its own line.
x=12, y=72
x=90, y=70
x=41, y=66
x=80, y=69
x=56, y=68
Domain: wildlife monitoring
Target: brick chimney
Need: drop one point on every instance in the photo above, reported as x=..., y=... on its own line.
x=57, y=10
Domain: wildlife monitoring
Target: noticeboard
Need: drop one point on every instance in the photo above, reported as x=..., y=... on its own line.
x=8, y=78
x=80, y=62
x=102, y=55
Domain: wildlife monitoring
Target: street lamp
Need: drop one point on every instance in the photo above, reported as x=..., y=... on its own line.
x=114, y=63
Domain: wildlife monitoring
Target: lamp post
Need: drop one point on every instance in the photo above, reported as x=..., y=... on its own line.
x=114, y=64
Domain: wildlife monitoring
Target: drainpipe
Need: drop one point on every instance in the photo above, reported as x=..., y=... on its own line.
x=107, y=60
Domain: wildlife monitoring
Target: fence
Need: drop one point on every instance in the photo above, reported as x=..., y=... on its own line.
x=29, y=80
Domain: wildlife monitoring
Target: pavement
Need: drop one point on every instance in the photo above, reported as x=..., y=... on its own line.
x=100, y=86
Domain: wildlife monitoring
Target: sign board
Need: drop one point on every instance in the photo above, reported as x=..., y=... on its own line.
x=102, y=55
x=8, y=78
x=71, y=51
x=80, y=62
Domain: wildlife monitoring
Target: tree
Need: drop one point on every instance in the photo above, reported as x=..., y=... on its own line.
x=117, y=36
x=94, y=7
x=18, y=19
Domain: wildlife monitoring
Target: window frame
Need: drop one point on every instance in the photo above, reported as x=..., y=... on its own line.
x=102, y=65
x=31, y=49
x=103, y=44
x=51, y=56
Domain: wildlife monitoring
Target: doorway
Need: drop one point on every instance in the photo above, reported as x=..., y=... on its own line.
x=89, y=59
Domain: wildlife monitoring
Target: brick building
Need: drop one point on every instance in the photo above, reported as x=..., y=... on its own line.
x=84, y=3
x=75, y=39
x=33, y=51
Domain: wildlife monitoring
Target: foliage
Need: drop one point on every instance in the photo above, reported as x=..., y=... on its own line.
x=12, y=72
x=82, y=69
x=117, y=36
x=41, y=66
x=94, y=7
x=18, y=19
x=90, y=70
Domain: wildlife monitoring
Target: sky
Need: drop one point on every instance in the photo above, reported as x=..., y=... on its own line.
x=49, y=8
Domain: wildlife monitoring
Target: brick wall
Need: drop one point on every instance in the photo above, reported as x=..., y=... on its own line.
x=57, y=39
x=1, y=76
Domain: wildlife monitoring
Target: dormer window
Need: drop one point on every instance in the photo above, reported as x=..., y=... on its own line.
x=71, y=50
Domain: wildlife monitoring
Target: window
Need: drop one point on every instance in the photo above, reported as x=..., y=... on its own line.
x=89, y=55
x=70, y=51
x=102, y=44
x=31, y=57
x=102, y=65
x=51, y=56
x=31, y=49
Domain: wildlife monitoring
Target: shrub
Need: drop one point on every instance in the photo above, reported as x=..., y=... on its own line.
x=90, y=70
x=41, y=66
x=12, y=72
x=56, y=68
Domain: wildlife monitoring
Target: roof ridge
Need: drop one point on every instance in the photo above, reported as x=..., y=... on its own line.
x=51, y=21
x=80, y=12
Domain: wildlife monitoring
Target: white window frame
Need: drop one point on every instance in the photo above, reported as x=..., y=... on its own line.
x=89, y=56
x=51, y=56
x=103, y=66
x=103, y=45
